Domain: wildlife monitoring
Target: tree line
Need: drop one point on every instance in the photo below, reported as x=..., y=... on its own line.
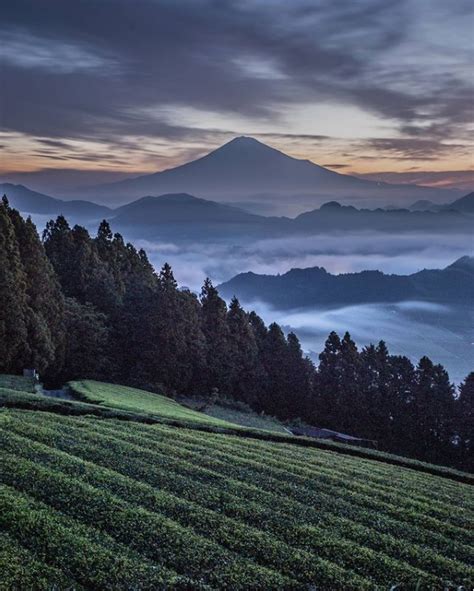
x=77, y=306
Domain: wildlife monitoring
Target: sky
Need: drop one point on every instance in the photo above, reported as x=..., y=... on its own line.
x=93, y=91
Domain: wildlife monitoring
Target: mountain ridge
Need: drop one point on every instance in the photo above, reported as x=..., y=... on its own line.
x=27, y=200
x=312, y=286
x=244, y=168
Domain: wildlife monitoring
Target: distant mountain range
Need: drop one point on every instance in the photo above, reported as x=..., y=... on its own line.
x=313, y=287
x=246, y=170
x=182, y=217
x=28, y=201
x=463, y=204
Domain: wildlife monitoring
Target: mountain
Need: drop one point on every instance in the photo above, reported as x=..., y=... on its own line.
x=300, y=288
x=425, y=205
x=180, y=208
x=182, y=217
x=245, y=169
x=28, y=201
x=464, y=204
x=334, y=216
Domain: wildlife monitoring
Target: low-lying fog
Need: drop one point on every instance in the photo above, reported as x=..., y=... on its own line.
x=337, y=252
x=445, y=334
x=413, y=329
x=409, y=328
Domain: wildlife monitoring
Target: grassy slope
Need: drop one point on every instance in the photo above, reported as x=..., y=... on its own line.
x=88, y=502
x=245, y=418
x=114, y=504
x=19, y=383
x=166, y=411
x=132, y=399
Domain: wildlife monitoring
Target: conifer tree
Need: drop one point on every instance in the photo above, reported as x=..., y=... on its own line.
x=279, y=391
x=245, y=368
x=14, y=346
x=45, y=302
x=465, y=422
x=216, y=332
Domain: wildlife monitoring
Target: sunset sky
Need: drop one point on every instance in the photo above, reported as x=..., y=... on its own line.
x=93, y=90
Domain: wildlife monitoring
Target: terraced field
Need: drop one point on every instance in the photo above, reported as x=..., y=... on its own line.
x=106, y=504
x=133, y=399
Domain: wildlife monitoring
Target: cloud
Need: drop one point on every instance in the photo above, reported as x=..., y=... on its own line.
x=409, y=328
x=462, y=179
x=337, y=252
x=92, y=69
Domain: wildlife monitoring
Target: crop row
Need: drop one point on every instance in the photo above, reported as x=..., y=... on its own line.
x=385, y=479
x=420, y=485
x=151, y=534
x=328, y=545
x=167, y=457
x=281, y=475
x=325, y=473
x=234, y=534
x=20, y=569
x=251, y=504
x=91, y=559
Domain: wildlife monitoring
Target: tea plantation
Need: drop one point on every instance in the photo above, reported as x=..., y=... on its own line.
x=113, y=500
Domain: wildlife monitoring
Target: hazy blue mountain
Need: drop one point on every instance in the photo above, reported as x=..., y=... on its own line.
x=185, y=217
x=334, y=216
x=464, y=204
x=28, y=201
x=182, y=217
x=425, y=205
x=313, y=287
x=245, y=169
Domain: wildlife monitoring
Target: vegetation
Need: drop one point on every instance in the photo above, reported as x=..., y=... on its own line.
x=20, y=383
x=79, y=307
x=140, y=401
x=110, y=504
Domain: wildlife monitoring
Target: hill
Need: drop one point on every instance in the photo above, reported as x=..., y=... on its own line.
x=315, y=286
x=182, y=217
x=141, y=401
x=464, y=204
x=94, y=502
x=246, y=169
x=334, y=216
x=28, y=201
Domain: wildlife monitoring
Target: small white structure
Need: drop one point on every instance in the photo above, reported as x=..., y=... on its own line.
x=31, y=373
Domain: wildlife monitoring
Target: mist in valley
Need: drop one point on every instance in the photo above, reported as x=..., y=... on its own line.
x=444, y=333
x=336, y=252
x=414, y=329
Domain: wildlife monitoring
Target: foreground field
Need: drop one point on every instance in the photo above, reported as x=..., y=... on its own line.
x=96, y=503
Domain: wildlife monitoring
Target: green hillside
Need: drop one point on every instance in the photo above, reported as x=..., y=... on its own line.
x=89, y=502
x=141, y=401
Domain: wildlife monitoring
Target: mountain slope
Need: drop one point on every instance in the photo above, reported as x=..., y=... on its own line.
x=464, y=204
x=182, y=217
x=246, y=169
x=28, y=201
x=315, y=286
x=119, y=504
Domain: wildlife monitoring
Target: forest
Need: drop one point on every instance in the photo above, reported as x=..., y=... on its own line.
x=75, y=306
